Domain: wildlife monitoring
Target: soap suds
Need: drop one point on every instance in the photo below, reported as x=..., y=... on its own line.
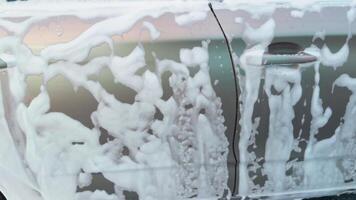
x=262, y=35
x=60, y=150
x=190, y=18
x=152, y=30
x=336, y=59
x=297, y=13
x=182, y=155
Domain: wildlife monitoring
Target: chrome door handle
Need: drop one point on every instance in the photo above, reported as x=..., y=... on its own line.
x=286, y=54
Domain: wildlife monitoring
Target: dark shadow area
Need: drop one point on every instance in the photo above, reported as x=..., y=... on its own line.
x=2, y=197
x=131, y=195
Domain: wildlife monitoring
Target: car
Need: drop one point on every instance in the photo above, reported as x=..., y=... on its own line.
x=177, y=99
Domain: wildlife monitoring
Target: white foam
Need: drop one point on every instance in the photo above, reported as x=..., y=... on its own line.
x=297, y=13
x=190, y=18
x=263, y=34
x=184, y=153
x=152, y=29
x=58, y=147
x=334, y=59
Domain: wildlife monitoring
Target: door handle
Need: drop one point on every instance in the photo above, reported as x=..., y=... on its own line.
x=286, y=53
x=281, y=54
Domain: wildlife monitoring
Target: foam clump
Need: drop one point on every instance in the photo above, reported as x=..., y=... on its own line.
x=96, y=195
x=194, y=57
x=191, y=17
x=335, y=59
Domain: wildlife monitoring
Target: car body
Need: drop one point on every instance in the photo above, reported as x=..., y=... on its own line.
x=137, y=99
